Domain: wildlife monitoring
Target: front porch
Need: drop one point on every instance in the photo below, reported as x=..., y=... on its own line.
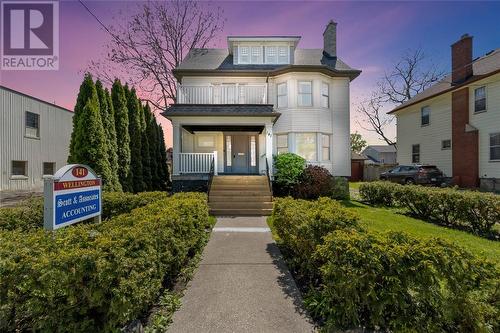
x=220, y=140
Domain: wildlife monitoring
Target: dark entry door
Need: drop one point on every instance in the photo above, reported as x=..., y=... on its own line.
x=240, y=154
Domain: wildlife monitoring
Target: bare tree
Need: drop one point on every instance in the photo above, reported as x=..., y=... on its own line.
x=412, y=74
x=375, y=118
x=153, y=41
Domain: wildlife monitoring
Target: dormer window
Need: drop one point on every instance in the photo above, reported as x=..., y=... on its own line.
x=256, y=55
x=271, y=55
x=244, y=55
x=283, y=55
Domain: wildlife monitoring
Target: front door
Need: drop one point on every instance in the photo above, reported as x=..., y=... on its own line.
x=240, y=154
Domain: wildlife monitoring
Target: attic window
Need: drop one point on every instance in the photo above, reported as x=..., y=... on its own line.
x=256, y=55
x=282, y=55
x=244, y=55
x=271, y=54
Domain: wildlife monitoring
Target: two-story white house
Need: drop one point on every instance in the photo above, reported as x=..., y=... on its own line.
x=455, y=124
x=262, y=95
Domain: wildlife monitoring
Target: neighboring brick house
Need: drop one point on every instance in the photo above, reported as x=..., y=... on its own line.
x=380, y=154
x=455, y=124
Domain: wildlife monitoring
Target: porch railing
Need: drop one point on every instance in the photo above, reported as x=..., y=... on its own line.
x=198, y=162
x=222, y=94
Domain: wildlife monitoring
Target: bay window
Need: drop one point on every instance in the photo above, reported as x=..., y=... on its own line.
x=325, y=95
x=282, y=143
x=305, y=145
x=282, y=95
x=325, y=147
x=305, y=93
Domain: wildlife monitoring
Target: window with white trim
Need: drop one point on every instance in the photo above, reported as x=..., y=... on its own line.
x=253, y=151
x=305, y=93
x=325, y=147
x=305, y=145
x=283, y=52
x=229, y=152
x=244, y=55
x=495, y=147
x=271, y=55
x=256, y=55
x=205, y=141
x=282, y=95
x=282, y=143
x=325, y=95
x=480, y=99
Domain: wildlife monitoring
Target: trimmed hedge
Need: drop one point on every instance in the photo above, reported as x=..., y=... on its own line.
x=97, y=277
x=383, y=281
x=474, y=211
x=28, y=215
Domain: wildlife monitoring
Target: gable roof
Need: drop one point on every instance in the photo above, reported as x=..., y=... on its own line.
x=221, y=61
x=482, y=67
x=382, y=148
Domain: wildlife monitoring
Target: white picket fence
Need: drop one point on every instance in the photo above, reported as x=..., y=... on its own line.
x=197, y=162
x=222, y=94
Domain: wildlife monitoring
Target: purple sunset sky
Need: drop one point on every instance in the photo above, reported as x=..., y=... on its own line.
x=371, y=36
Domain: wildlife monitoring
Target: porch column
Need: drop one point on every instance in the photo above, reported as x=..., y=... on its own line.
x=269, y=147
x=176, y=148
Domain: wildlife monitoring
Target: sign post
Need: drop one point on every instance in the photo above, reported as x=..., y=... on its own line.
x=72, y=195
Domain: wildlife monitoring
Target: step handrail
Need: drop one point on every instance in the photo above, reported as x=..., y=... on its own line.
x=210, y=176
x=269, y=183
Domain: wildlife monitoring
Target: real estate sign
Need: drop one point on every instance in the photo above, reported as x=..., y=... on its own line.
x=72, y=195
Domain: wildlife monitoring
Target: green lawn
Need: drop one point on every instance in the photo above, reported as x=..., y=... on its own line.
x=386, y=219
x=355, y=185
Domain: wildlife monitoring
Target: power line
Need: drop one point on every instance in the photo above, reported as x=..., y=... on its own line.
x=97, y=19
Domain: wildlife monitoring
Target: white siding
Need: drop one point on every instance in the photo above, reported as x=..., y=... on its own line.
x=487, y=122
x=52, y=146
x=410, y=132
x=333, y=121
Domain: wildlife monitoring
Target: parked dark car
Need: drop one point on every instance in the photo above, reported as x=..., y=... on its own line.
x=414, y=174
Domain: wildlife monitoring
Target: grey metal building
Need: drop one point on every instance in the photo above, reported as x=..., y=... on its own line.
x=34, y=140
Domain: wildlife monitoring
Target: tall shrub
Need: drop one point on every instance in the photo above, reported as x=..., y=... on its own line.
x=108, y=122
x=152, y=134
x=146, y=158
x=123, y=139
x=162, y=160
x=134, y=130
x=89, y=141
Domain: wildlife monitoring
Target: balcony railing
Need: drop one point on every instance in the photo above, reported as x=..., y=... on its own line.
x=222, y=94
x=198, y=162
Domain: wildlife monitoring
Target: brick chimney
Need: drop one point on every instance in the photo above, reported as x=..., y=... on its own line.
x=461, y=59
x=330, y=39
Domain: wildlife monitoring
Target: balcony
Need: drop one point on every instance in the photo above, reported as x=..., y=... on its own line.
x=222, y=94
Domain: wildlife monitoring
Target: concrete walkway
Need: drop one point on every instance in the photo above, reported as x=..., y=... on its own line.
x=242, y=284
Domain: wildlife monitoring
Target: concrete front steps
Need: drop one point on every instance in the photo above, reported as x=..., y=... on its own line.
x=240, y=196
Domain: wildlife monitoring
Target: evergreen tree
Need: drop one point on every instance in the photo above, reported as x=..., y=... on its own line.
x=122, y=137
x=163, y=167
x=89, y=146
x=153, y=147
x=134, y=130
x=84, y=94
x=108, y=123
x=146, y=158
